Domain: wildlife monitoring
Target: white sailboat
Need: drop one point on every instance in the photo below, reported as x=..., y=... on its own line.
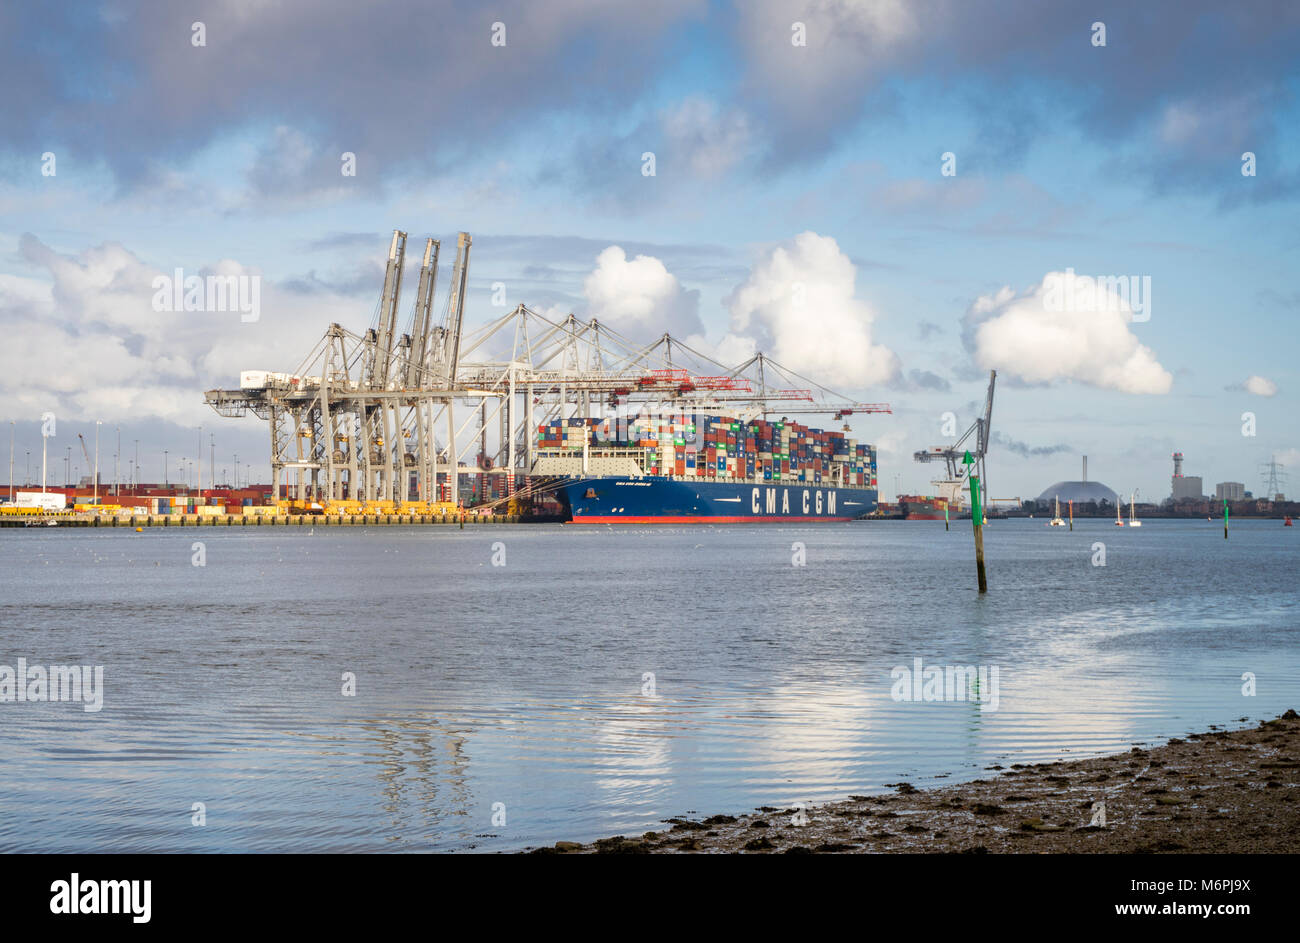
x=1132, y=502
x=1056, y=521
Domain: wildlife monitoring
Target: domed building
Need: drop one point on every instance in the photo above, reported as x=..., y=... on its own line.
x=1080, y=492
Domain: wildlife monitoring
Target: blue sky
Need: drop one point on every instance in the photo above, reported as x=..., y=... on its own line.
x=1123, y=159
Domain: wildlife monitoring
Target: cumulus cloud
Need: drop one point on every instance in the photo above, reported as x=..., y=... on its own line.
x=291, y=166
x=640, y=297
x=732, y=349
x=84, y=338
x=847, y=41
x=702, y=139
x=799, y=305
x=1090, y=341
x=1289, y=458
x=345, y=76
x=859, y=52
x=1259, y=386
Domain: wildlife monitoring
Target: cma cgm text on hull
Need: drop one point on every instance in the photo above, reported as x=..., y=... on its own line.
x=657, y=499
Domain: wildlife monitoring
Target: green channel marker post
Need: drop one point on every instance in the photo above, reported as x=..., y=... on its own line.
x=1225, y=518
x=976, y=516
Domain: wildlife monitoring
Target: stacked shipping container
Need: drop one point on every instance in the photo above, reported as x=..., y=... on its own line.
x=709, y=446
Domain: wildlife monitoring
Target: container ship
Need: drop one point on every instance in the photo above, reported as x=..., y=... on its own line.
x=704, y=468
x=915, y=507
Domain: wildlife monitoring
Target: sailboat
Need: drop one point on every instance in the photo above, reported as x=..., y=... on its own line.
x=1056, y=521
x=1132, y=503
x=1119, y=521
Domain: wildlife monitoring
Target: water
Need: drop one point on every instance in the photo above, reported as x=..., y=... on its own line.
x=523, y=684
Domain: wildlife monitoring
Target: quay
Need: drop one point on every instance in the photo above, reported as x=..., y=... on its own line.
x=250, y=520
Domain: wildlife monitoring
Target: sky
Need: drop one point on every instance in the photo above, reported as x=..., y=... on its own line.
x=890, y=197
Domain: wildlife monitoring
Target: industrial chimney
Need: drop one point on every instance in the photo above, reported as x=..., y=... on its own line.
x=1085, y=468
x=1178, y=464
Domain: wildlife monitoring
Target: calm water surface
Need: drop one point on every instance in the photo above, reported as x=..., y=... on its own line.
x=522, y=684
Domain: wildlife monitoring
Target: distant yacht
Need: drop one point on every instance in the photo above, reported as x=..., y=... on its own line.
x=1056, y=521
x=1132, y=503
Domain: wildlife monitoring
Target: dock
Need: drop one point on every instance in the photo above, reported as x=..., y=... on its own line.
x=250, y=520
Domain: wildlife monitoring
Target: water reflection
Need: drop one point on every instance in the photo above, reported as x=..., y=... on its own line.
x=520, y=689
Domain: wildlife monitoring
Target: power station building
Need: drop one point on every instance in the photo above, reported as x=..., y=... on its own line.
x=1185, y=487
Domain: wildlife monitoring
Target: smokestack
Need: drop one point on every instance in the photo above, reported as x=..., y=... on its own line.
x=1085, y=468
x=1178, y=464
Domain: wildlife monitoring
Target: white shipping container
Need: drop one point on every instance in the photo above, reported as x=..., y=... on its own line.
x=37, y=499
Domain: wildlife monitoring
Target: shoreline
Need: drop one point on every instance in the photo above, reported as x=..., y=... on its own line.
x=1220, y=791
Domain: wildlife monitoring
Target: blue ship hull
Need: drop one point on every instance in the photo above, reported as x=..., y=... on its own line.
x=658, y=500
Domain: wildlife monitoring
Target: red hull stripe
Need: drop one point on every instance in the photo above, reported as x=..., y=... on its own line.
x=695, y=519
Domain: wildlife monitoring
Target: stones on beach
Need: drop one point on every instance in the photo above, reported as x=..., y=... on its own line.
x=686, y=825
x=618, y=845
x=1038, y=825
x=1235, y=791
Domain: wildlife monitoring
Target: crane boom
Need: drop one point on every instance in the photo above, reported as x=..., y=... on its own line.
x=456, y=306
x=385, y=338
x=952, y=455
x=422, y=322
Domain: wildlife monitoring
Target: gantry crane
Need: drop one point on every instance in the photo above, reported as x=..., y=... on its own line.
x=357, y=420
x=953, y=455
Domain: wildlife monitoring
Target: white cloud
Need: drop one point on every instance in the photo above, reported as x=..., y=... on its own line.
x=640, y=297
x=83, y=338
x=1260, y=386
x=700, y=138
x=1022, y=336
x=849, y=42
x=798, y=305
x=732, y=350
x=1289, y=458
